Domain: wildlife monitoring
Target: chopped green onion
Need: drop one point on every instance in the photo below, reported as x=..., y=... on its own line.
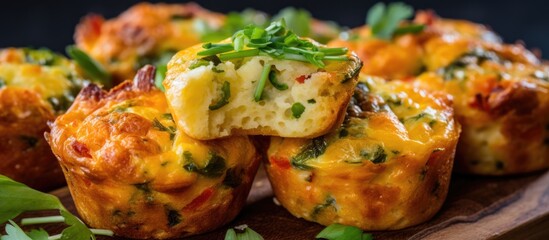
x=291, y=40
x=225, y=95
x=276, y=41
x=278, y=85
x=295, y=57
x=257, y=33
x=238, y=43
x=336, y=58
x=261, y=82
x=239, y=54
x=334, y=51
x=213, y=45
x=90, y=67
x=297, y=109
x=198, y=63
x=216, y=50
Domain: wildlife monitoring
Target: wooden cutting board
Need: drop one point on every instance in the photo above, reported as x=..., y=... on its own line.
x=514, y=207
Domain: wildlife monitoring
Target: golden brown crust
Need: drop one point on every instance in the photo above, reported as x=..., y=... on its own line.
x=131, y=171
x=35, y=85
x=501, y=95
x=24, y=154
x=395, y=162
x=144, y=30
x=500, y=90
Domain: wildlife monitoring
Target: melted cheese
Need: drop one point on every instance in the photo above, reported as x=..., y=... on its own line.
x=46, y=80
x=373, y=168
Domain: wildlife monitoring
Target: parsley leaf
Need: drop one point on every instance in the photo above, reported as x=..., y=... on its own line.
x=297, y=20
x=38, y=234
x=16, y=198
x=341, y=232
x=14, y=232
x=384, y=20
x=244, y=233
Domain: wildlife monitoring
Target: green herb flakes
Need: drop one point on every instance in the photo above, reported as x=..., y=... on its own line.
x=224, y=98
x=297, y=110
x=314, y=149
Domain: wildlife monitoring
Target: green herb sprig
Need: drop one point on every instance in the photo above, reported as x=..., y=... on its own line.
x=276, y=41
x=341, y=232
x=384, y=20
x=16, y=198
x=91, y=68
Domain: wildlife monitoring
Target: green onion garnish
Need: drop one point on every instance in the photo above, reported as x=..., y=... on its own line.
x=334, y=51
x=278, y=85
x=297, y=109
x=198, y=63
x=276, y=41
x=261, y=83
x=215, y=50
x=239, y=54
x=225, y=95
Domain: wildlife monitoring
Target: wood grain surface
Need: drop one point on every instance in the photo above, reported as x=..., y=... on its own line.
x=514, y=207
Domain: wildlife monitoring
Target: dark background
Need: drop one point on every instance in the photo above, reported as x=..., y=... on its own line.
x=51, y=23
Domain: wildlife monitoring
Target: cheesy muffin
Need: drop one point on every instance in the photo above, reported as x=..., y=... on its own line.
x=131, y=171
x=402, y=56
x=501, y=95
x=144, y=34
x=500, y=90
x=260, y=82
x=387, y=167
x=35, y=85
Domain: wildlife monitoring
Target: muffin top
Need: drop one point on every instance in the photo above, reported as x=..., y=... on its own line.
x=53, y=77
x=261, y=82
x=385, y=121
x=128, y=136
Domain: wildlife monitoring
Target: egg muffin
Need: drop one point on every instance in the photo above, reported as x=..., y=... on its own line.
x=262, y=81
x=501, y=95
x=35, y=85
x=403, y=55
x=130, y=170
x=387, y=167
x=144, y=34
